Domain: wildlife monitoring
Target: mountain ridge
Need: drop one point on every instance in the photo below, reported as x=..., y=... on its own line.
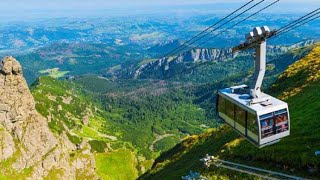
x=167, y=67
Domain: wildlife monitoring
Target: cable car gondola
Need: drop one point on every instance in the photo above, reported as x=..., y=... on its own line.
x=259, y=117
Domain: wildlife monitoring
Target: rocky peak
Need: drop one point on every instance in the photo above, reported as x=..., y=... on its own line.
x=25, y=137
x=16, y=101
x=11, y=66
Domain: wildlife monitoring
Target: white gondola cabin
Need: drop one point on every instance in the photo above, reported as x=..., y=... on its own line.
x=260, y=118
x=260, y=124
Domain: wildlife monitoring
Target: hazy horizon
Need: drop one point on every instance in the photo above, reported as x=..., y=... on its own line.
x=103, y=4
x=32, y=9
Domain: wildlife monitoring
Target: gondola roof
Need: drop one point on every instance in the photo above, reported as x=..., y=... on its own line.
x=243, y=99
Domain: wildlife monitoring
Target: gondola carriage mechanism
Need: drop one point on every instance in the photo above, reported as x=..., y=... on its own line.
x=259, y=117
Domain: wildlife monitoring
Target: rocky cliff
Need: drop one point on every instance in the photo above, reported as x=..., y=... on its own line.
x=192, y=56
x=28, y=148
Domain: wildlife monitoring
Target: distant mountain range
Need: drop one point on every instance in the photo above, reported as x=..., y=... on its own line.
x=167, y=67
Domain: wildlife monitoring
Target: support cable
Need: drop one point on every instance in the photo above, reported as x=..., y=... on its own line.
x=284, y=27
x=295, y=27
x=223, y=24
x=207, y=29
x=204, y=42
x=207, y=33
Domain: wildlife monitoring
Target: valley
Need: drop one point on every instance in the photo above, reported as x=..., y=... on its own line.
x=142, y=119
x=95, y=98
x=138, y=119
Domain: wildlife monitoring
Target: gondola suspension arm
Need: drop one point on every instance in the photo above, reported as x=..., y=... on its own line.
x=257, y=40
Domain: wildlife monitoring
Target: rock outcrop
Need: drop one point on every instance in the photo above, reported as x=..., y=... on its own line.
x=26, y=139
x=205, y=55
x=195, y=55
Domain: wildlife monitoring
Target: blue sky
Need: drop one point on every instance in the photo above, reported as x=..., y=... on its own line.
x=62, y=8
x=99, y=4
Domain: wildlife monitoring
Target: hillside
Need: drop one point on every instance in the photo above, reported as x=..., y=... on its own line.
x=69, y=110
x=134, y=119
x=299, y=86
x=165, y=111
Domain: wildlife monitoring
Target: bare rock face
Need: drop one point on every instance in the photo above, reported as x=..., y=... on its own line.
x=19, y=117
x=205, y=55
x=7, y=146
x=16, y=101
x=24, y=133
x=195, y=55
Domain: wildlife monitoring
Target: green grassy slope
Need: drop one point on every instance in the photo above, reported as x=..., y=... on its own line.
x=114, y=165
x=299, y=85
x=66, y=107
